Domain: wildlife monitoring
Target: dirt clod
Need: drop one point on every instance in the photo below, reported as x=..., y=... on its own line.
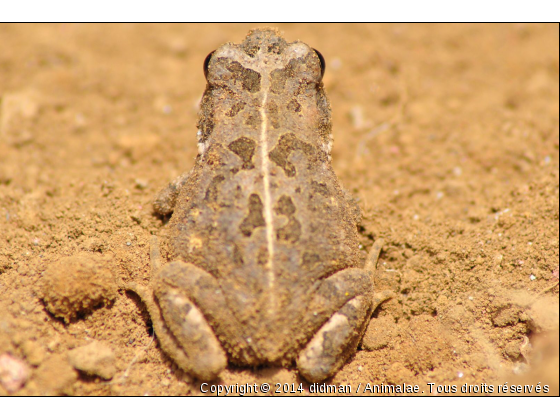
x=95, y=358
x=76, y=285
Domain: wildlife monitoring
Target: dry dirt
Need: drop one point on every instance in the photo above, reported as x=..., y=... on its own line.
x=448, y=134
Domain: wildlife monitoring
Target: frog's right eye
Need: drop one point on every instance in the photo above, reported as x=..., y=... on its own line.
x=322, y=61
x=206, y=63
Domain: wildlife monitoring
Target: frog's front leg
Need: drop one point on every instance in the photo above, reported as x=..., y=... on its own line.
x=165, y=200
x=338, y=338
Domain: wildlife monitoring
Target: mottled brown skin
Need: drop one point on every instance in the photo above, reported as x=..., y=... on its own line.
x=264, y=239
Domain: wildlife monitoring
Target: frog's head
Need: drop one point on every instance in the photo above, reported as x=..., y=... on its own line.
x=263, y=51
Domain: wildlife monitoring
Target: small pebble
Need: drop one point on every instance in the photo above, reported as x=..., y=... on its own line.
x=95, y=358
x=14, y=373
x=141, y=184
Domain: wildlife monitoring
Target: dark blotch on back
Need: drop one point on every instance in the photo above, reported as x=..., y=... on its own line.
x=234, y=110
x=262, y=255
x=277, y=47
x=237, y=255
x=297, y=67
x=286, y=145
x=213, y=190
x=255, y=217
x=320, y=188
x=310, y=260
x=250, y=79
x=253, y=120
x=244, y=148
x=251, y=48
x=293, y=106
x=278, y=79
x=272, y=111
x=285, y=206
x=290, y=232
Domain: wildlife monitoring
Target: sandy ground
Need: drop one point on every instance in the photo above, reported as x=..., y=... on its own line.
x=447, y=134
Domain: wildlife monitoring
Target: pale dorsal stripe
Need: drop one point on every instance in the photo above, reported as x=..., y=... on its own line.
x=267, y=199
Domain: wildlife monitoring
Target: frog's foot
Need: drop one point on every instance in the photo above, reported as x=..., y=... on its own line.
x=338, y=338
x=181, y=328
x=335, y=342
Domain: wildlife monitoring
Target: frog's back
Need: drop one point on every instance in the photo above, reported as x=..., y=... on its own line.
x=262, y=210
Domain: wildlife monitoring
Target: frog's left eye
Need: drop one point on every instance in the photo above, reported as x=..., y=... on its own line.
x=322, y=60
x=206, y=63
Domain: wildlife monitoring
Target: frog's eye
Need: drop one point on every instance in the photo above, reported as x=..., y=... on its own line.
x=322, y=60
x=206, y=62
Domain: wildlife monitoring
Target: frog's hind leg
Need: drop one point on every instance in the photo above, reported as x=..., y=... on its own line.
x=338, y=338
x=181, y=328
x=335, y=342
x=194, y=325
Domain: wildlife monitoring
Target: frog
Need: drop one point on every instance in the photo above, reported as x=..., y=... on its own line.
x=265, y=265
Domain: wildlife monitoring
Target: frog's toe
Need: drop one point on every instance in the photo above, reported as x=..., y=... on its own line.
x=335, y=342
